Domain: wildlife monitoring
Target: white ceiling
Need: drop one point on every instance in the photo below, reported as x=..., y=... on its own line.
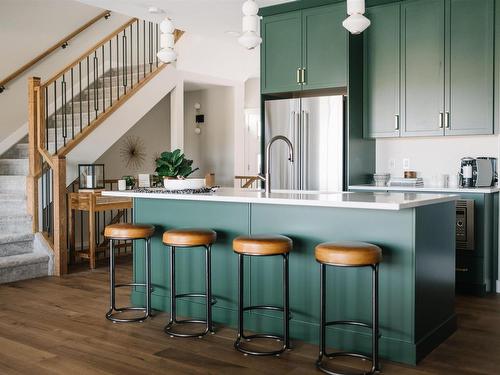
x=205, y=17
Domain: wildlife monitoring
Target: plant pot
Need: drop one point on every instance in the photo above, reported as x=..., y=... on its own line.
x=188, y=183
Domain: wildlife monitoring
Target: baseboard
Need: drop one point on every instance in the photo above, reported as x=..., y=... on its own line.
x=13, y=138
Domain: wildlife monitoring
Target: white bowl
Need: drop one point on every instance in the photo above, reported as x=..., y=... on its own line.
x=188, y=183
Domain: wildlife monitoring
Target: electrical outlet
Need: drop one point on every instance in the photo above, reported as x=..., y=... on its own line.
x=406, y=164
x=392, y=164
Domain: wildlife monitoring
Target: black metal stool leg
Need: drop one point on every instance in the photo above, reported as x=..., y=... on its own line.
x=147, y=250
x=208, y=286
x=240, y=300
x=112, y=274
x=286, y=302
x=173, y=317
x=375, y=322
x=322, y=318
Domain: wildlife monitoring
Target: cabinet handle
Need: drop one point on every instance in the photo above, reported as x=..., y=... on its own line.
x=441, y=120
x=303, y=75
x=447, y=120
x=462, y=269
x=299, y=75
x=396, y=122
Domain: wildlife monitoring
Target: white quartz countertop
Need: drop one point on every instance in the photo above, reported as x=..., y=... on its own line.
x=449, y=190
x=361, y=200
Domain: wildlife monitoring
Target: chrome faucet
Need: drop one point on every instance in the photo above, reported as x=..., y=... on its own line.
x=268, y=158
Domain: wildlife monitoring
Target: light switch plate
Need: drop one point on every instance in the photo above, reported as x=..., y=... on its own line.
x=406, y=164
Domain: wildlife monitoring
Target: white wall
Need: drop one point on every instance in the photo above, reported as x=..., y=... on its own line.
x=432, y=156
x=252, y=93
x=212, y=150
x=154, y=132
x=27, y=28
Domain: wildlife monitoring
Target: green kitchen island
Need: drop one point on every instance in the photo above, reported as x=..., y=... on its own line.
x=417, y=276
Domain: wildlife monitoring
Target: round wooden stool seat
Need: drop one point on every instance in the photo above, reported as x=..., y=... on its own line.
x=262, y=245
x=129, y=231
x=189, y=237
x=348, y=253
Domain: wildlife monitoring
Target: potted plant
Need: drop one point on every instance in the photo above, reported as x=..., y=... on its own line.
x=129, y=181
x=175, y=169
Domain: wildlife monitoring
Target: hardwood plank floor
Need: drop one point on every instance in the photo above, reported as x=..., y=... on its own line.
x=57, y=326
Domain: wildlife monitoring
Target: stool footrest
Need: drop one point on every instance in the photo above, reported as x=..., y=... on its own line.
x=113, y=313
x=170, y=325
x=319, y=362
x=349, y=323
x=130, y=284
x=238, y=347
x=263, y=307
x=196, y=295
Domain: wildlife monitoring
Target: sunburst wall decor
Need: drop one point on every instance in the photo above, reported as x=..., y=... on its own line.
x=133, y=152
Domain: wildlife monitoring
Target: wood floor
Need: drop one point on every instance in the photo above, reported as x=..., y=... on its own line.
x=57, y=326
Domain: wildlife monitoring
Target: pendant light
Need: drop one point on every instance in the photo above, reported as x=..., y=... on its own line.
x=250, y=38
x=167, y=42
x=356, y=23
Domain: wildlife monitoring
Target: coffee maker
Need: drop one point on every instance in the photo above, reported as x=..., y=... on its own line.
x=478, y=172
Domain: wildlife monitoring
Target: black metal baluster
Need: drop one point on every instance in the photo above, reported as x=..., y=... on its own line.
x=117, y=68
x=131, y=61
x=47, y=117
x=103, y=82
x=96, y=84
x=88, y=90
x=55, y=117
x=144, y=49
x=137, y=32
x=150, y=46
x=64, y=129
x=124, y=59
x=80, y=96
x=72, y=107
x=110, y=75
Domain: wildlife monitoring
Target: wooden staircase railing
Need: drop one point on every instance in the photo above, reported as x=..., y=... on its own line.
x=66, y=108
x=63, y=43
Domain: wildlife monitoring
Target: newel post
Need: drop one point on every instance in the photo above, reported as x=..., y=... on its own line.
x=35, y=167
x=60, y=216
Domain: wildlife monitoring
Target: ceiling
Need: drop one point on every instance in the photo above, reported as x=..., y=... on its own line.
x=212, y=18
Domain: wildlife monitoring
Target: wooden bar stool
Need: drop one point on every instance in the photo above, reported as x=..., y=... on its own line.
x=349, y=254
x=264, y=245
x=129, y=232
x=182, y=238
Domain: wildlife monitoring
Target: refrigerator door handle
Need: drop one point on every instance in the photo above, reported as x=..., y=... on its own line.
x=305, y=149
x=291, y=167
x=296, y=143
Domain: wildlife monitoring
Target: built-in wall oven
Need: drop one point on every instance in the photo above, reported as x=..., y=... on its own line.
x=465, y=225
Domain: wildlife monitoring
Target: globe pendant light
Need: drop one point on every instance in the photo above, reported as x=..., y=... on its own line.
x=250, y=39
x=167, y=42
x=356, y=23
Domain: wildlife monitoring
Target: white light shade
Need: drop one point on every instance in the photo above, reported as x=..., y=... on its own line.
x=167, y=40
x=250, y=40
x=250, y=23
x=167, y=55
x=356, y=24
x=355, y=6
x=250, y=8
x=167, y=26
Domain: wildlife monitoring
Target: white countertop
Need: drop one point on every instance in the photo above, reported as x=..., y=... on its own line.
x=362, y=200
x=449, y=190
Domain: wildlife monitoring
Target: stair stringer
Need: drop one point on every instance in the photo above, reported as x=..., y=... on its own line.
x=120, y=121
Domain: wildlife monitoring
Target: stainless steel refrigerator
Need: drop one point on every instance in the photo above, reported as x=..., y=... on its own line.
x=315, y=126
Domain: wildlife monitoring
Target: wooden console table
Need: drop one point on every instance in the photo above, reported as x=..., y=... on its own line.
x=92, y=202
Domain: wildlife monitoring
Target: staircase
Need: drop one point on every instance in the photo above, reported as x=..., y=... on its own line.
x=19, y=257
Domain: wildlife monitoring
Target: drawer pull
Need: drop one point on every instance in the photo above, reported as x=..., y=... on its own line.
x=462, y=269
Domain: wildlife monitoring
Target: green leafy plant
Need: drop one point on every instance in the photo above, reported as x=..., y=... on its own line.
x=174, y=164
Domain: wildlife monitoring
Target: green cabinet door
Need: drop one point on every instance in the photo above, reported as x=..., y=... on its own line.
x=382, y=72
x=422, y=63
x=324, y=47
x=470, y=67
x=281, y=53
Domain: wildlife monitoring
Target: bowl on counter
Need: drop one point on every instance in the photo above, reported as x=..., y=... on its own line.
x=381, y=179
x=179, y=184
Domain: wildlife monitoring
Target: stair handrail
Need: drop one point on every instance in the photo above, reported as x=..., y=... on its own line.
x=63, y=43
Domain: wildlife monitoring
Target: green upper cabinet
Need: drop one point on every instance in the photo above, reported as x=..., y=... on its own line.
x=422, y=64
x=281, y=55
x=324, y=47
x=304, y=50
x=442, y=54
x=470, y=67
x=382, y=72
